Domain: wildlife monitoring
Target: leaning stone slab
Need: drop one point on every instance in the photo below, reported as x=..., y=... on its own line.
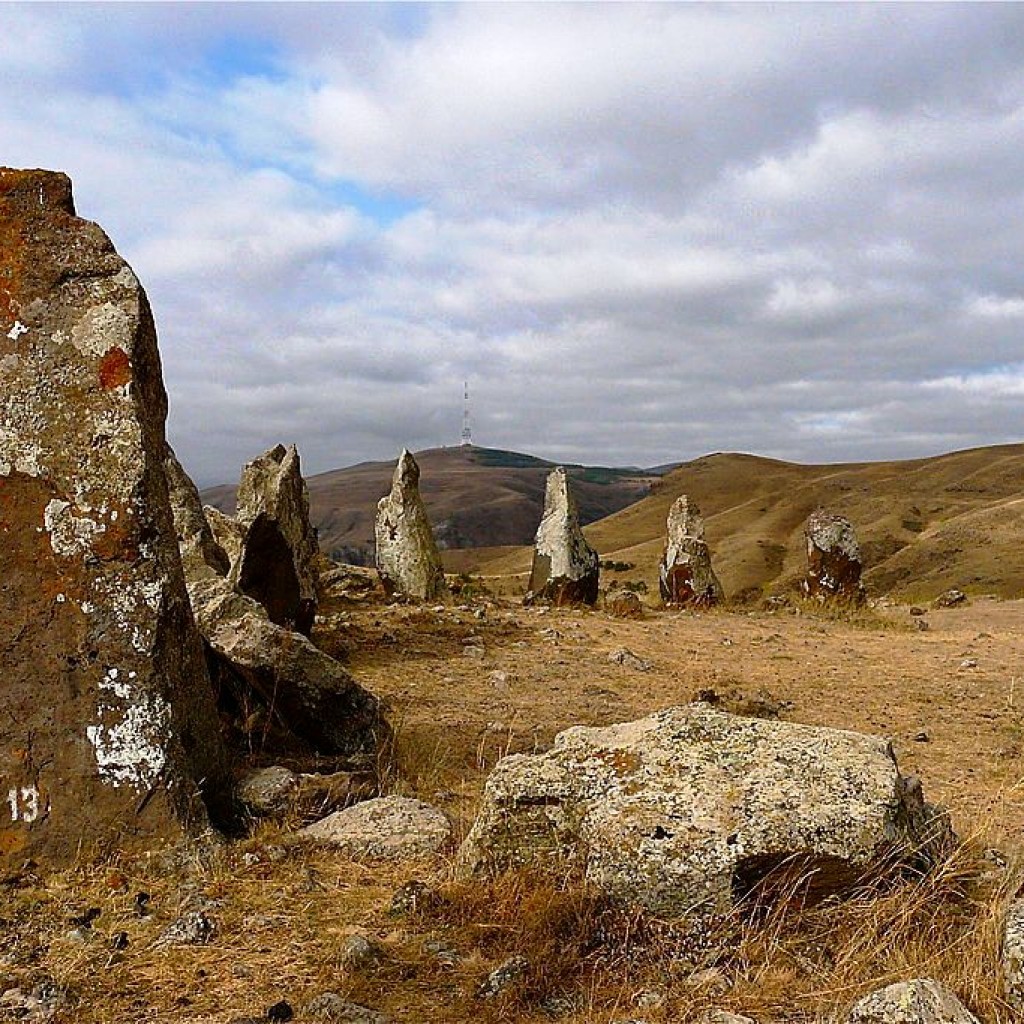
x=109, y=732
x=1013, y=954
x=919, y=1001
x=686, y=577
x=277, y=561
x=686, y=811
x=834, y=562
x=407, y=557
x=566, y=568
x=387, y=828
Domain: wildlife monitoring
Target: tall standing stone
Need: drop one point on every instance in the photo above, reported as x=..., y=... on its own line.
x=834, y=562
x=686, y=576
x=109, y=733
x=565, y=567
x=277, y=562
x=407, y=558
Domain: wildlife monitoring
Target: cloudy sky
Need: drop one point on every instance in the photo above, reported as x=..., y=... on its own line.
x=642, y=233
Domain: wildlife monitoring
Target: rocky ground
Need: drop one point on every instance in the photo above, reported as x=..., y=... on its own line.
x=287, y=923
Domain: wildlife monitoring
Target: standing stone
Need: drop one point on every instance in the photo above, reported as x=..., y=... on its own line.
x=407, y=557
x=201, y=555
x=277, y=562
x=109, y=733
x=833, y=558
x=565, y=567
x=686, y=576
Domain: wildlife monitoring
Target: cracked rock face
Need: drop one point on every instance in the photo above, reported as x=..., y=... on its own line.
x=407, y=558
x=110, y=713
x=834, y=562
x=690, y=809
x=565, y=567
x=276, y=563
x=686, y=577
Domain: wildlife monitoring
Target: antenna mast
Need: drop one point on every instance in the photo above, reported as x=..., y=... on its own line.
x=467, y=433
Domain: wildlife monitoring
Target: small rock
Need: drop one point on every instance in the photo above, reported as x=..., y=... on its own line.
x=269, y=791
x=502, y=978
x=919, y=1001
x=625, y=605
x=250, y=859
x=625, y=657
x=922, y=625
x=119, y=941
x=387, y=828
x=477, y=653
x=649, y=999
x=280, y=1011
x=719, y=1016
x=191, y=929
x=916, y=609
x=142, y=904
x=499, y=680
x=921, y=737
x=950, y=599
x=969, y=663
x=409, y=898
x=445, y=955
x=79, y=936
x=330, y=1007
x=358, y=953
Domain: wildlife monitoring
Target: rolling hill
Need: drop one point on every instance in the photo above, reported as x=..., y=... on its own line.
x=924, y=525
x=475, y=496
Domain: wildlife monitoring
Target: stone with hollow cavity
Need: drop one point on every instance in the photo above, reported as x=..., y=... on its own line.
x=685, y=811
x=685, y=575
x=109, y=732
x=407, y=557
x=566, y=568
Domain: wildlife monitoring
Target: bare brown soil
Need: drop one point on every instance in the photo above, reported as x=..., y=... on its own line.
x=282, y=923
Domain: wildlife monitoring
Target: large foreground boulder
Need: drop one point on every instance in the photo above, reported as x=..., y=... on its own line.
x=686, y=576
x=277, y=561
x=109, y=732
x=688, y=810
x=407, y=558
x=834, y=563
x=565, y=568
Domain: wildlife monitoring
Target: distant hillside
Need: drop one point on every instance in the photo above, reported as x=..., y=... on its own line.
x=475, y=496
x=924, y=525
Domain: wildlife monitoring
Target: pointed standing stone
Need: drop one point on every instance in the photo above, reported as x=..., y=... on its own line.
x=833, y=558
x=407, y=558
x=201, y=555
x=109, y=732
x=277, y=562
x=686, y=576
x=565, y=567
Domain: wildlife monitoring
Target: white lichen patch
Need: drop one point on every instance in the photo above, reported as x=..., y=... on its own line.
x=70, y=534
x=133, y=751
x=17, y=330
x=102, y=328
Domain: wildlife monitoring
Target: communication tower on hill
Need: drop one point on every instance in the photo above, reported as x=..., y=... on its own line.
x=467, y=433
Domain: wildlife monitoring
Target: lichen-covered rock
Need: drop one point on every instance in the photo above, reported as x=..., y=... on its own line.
x=227, y=532
x=919, y=1001
x=686, y=576
x=687, y=810
x=1013, y=954
x=308, y=694
x=566, y=568
x=407, y=558
x=201, y=555
x=834, y=562
x=388, y=828
x=109, y=722
x=277, y=562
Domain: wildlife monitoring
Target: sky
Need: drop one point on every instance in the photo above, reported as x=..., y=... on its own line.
x=642, y=233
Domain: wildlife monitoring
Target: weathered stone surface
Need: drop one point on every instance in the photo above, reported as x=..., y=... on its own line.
x=388, y=828
x=1013, y=954
x=268, y=791
x=625, y=605
x=201, y=555
x=565, y=567
x=108, y=711
x=834, y=562
x=686, y=810
x=686, y=576
x=277, y=562
x=304, y=691
x=407, y=558
x=227, y=532
x=919, y=1001
x=276, y=791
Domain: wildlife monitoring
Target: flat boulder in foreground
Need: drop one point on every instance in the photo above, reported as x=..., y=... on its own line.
x=686, y=811
x=109, y=733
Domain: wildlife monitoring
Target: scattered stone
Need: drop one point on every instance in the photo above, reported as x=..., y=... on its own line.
x=499, y=680
x=201, y=555
x=951, y=598
x=718, y=1016
x=922, y=625
x=686, y=811
x=358, y=953
x=348, y=582
x=685, y=575
x=332, y=1008
x=475, y=652
x=110, y=733
x=268, y=791
x=191, y=929
x=625, y=605
x=277, y=562
x=407, y=557
x=834, y=563
x=625, y=657
x=920, y=1001
x=649, y=999
x=387, y=828
x=566, y=568
x=917, y=610
x=410, y=897
x=1013, y=952
x=503, y=978
x=40, y=1004
x=445, y=955
x=922, y=737
x=280, y=1011
x=968, y=663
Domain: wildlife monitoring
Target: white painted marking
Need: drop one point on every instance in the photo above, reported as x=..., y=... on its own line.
x=17, y=330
